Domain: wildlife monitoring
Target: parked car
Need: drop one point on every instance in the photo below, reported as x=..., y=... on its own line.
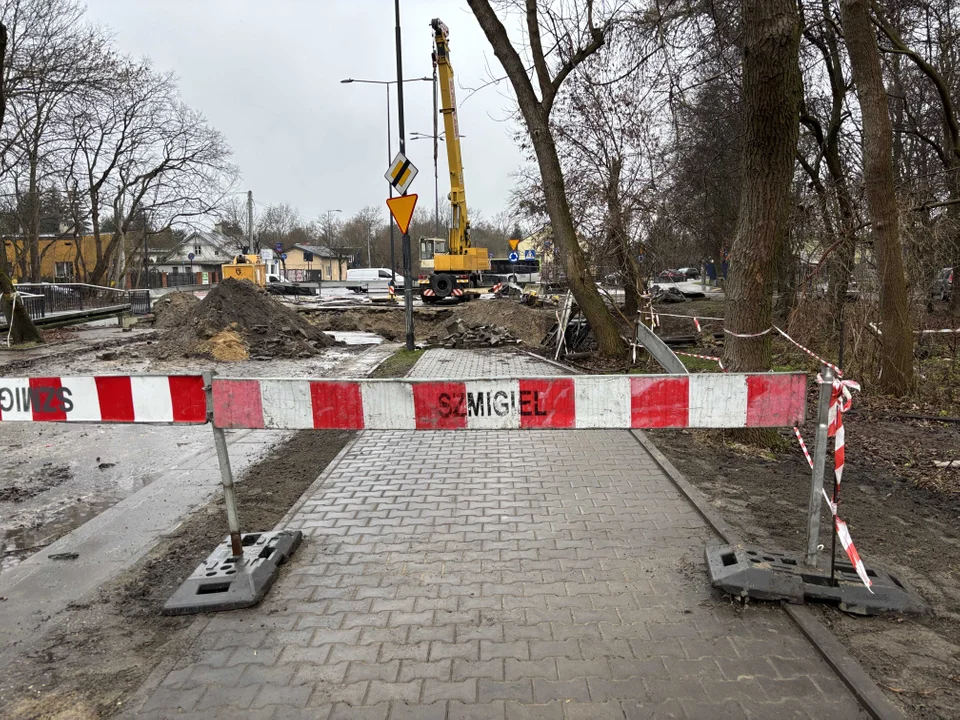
x=671, y=276
x=943, y=285
x=691, y=273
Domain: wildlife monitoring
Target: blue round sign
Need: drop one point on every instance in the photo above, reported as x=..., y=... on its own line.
x=513, y=257
x=283, y=256
x=190, y=256
x=278, y=247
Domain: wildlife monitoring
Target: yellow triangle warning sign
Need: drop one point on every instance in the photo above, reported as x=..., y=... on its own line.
x=513, y=244
x=402, y=210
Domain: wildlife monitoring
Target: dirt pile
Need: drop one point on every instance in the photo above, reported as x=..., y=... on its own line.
x=237, y=320
x=169, y=310
x=389, y=324
x=522, y=322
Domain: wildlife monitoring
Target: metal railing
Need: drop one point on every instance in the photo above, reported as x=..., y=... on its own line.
x=139, y=302
x=34, y=305
x=181, y=279
x=65, y=297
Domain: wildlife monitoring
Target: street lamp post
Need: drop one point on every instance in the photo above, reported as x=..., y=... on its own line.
x=387, y=84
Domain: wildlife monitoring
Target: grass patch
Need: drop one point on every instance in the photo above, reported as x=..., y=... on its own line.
x=697, y=365
x=398, y=364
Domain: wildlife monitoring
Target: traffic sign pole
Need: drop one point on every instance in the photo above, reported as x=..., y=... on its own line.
x=407, y=276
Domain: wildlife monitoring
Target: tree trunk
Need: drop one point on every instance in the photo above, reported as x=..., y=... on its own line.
x=536, y=114
x=33, y=223
x=618, y=238
x=581, y=282
x=897, y=356
x=771, y=95
x=840, y=266
x=24, y=331
x=786, y=273
x=953, y=212
x=3, y=63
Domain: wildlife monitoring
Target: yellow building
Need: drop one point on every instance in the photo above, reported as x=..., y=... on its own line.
x=62, y=259
x=310, y=263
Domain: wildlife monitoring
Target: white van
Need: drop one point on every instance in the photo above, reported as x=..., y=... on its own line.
x=372, y=279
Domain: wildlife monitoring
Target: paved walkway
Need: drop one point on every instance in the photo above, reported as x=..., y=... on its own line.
x=494, y=574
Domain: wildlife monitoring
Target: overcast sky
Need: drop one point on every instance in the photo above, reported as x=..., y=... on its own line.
x=267, y=73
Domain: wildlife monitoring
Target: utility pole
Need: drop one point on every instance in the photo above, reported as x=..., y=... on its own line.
x=250, y=220
x=393, y=254
x=407, y=270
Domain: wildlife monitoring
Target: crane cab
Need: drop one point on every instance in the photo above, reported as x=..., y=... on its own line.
x=429, y=247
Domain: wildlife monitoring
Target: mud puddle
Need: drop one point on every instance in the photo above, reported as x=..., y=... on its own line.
x=54, y=478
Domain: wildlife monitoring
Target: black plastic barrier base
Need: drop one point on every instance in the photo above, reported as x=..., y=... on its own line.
x=221, y=583
x=765, y=575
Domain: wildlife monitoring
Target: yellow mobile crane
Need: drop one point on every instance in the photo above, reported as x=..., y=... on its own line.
x=456, y=265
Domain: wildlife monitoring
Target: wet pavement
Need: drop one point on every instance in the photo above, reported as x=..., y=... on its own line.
x=56, y=477
x=100, y=496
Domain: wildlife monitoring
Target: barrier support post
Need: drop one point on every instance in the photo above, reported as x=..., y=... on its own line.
x=226, y=473
x=819, y=463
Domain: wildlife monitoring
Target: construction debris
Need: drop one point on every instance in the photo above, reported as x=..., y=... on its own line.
x=459, y=335
x=236, y=321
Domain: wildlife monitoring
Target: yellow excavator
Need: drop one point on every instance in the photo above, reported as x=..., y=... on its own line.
x=450, y=266
x=246, y=267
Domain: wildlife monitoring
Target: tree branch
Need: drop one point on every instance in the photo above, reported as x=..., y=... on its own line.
x=536, y=49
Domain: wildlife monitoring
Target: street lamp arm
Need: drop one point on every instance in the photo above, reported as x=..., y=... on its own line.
x=385, y=82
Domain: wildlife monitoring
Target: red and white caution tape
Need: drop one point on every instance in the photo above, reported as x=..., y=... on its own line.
x=841, y=400
x=748, y=335
x=843, y=532
x=803, y=446
x=810, y=352
x=717, y=360
x=697, y=324
x=690, y=317
x=13, y=314
x=876, y=329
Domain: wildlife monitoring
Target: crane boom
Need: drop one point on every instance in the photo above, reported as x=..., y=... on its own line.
x=460, y=223
x=454, y=264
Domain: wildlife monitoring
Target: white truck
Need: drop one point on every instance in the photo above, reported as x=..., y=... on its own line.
x=375, y=279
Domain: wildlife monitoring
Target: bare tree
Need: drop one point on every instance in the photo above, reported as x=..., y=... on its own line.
x=182, y=172
x=897, y=357
x=360, y=230
x=947, y=149
x=824, y=122
x=53, y=56
x=275, y=224
x=575, y=37
x=771, y=94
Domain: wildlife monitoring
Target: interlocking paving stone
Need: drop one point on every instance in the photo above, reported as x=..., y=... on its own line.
x=494, y=575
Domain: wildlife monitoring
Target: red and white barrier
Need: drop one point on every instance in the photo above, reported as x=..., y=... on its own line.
x=653, y=401
x=104, y=399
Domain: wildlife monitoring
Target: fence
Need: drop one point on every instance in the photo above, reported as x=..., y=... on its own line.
x=67, y=297
x=34, y=305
